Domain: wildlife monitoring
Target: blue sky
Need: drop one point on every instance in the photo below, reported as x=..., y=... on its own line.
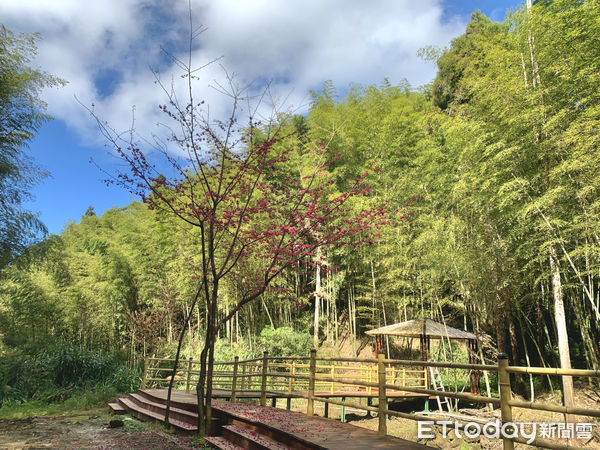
x=105, y=51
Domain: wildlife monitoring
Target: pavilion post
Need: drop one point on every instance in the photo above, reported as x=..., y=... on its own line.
x=382, y=429
x=424, y=352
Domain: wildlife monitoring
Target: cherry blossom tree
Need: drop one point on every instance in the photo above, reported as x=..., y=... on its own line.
x=258, y=199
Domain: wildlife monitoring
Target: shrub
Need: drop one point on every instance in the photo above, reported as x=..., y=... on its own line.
x=74, y=366
x=285, y=341
x=58, y=373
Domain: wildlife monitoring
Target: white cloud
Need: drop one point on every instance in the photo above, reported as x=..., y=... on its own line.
x=298, y=44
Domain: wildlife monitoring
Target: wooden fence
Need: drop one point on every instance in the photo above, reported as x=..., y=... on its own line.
x=318, y=379
x=285, y=374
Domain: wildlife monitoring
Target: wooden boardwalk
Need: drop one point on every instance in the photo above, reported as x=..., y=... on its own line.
x=288, y=429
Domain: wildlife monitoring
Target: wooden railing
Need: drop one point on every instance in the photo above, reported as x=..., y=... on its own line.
x=319, y=379
x=285, y=374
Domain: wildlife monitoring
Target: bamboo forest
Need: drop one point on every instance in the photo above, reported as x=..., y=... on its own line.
x=473, y=201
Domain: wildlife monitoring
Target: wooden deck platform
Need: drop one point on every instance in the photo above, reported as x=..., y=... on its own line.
x=248, y=425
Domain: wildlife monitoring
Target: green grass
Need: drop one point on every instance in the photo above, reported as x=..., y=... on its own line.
x=91, y=402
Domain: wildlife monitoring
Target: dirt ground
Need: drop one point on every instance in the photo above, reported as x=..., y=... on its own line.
x=87, y=431
x=407, y=429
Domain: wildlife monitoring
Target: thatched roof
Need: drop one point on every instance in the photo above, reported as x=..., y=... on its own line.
x=414, y=328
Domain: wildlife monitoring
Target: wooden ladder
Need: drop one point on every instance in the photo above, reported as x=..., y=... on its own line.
x=438, y=385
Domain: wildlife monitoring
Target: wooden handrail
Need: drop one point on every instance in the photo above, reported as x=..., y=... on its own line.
x=555, y=408
x=448, y=365
x=552, y=371
x=301, y=376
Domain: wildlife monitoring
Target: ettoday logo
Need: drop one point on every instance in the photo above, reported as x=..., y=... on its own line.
x=509, y=430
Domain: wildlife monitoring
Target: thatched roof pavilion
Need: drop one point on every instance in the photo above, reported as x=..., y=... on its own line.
x=418, y=327
x=425, y=330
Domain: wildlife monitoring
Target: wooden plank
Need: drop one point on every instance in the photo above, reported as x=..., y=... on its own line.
x=314, y=431
x=290, y=426
x=117, y=409
x=222, y=443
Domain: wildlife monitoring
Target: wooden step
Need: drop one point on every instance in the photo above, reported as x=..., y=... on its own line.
x=116, y=409
x=269, y=430
x=161, y=408
x=251, y=440
x=157, y=398
x=222, y=443
x=146, y=414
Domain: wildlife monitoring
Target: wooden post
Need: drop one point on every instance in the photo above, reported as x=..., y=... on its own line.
x=332, y=387
x=189, y=376
x=263, y=387
x=243, y=378
x=404, y=376
x=234, y=380
x=505, y=395
x=382, y=430
x=310, y=404
x=293, y=374
x=145, y=376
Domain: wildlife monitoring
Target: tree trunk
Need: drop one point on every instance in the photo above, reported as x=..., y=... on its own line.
x=204, y=386
x=227, y=325
x=561, y=329
x=200, y=391
x=176, y=363
x=541, y=325
x=317, y=299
